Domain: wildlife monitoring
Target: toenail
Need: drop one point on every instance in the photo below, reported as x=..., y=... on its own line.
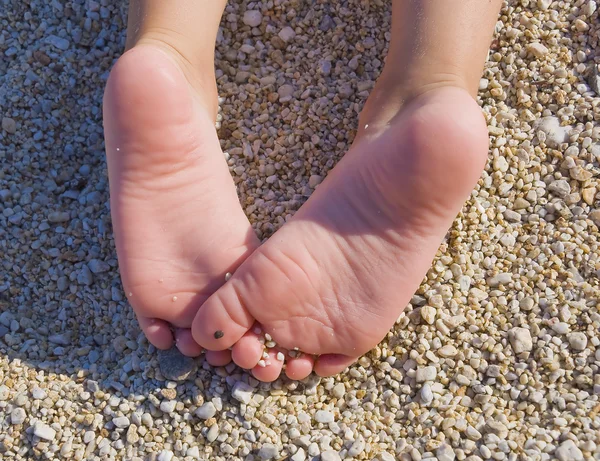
x=219, y=334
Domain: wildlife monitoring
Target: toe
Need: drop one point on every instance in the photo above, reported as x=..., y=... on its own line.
x=247, y=351
x=186, y=344
x=298, y=368
x=333, y=364
x=272, y=369
x=157, y=331
x=218, y=358
x=222, y=320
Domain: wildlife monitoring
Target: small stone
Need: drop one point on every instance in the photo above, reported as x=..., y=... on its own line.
x=577, y=340
x=38, y=393
x=330, y=455
x=500, y=279
x=58, y=42
x=428, y=314
x=339, y=390
x=286, y=34
x=560, y=187
x=61, y=339
x=43, y=431
x=580, y=174
x=193, y=452
x=512, y=216
x=588, y=195
x=568, y=451
x=555, y=133
x=324, y=416
x=165, y=455
x=121, y=422
x=268, y=451
x=285, y=91
x=537, y=49
x=18, y=416
x=357, y=447
x=97, y=266
x=445, y=453
x=447, y=351
x=9, y=125
x=252, y=18
x=132, y=436
x=426, y=394
x=560, y=327
x=384, y=456
x=212, y=433
x=520, y=340
x=496, y=427
x=242, y=392
x=175, y=366
x=426, y=374
x=56, y=217
x=326, y=23
x=168, y=406
x=314, y=180
x=206, y=411
x=300, y=455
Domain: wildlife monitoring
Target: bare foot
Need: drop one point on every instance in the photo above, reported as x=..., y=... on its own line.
x=178, y=224
x=335, y=278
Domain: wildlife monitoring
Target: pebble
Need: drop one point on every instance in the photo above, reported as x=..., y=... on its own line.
x=568, y=451
x=252, y=18
x=578, y=341
x=268, y=451
x=447, y=351
x=121, y=422
x=207, y=411
x=165, y=455
x=43, y=431
x=175, y=366
x=300, y=455
x=58, y=42
x=426, y=374
x=9, y=125
x=520, y=340
x=168, y=406
x=555, y=133
x=18, y=416
x=324, y=416
x=426, y=394
x=212, y=433
x=38, y=393
x=287, y=34
x=242, y=392
x=445, y=453
x=428, y=314
x=330, y=455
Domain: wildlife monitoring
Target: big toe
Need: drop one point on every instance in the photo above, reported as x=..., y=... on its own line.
x=223, y=319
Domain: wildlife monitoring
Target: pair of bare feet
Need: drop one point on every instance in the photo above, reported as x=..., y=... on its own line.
x=335, y=278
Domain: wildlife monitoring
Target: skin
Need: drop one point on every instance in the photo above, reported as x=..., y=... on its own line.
x=435, y=59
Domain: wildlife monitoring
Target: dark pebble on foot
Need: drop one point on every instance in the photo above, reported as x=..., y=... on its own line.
x=219, y=334
x=175, y=366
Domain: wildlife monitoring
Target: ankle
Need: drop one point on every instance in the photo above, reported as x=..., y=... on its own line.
x=198, y=70
x=395, y=89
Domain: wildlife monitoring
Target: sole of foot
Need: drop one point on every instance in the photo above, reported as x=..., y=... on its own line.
x=178, y=224
x=335, y=278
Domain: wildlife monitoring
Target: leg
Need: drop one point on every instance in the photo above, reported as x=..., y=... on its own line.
x=178, y=225
x=335, y=278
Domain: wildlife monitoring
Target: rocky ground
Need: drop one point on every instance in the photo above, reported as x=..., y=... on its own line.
x=497, y=356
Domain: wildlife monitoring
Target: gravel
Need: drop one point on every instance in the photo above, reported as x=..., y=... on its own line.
x=497, y=355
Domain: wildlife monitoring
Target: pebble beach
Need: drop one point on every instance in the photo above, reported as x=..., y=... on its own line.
x=497, y=356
